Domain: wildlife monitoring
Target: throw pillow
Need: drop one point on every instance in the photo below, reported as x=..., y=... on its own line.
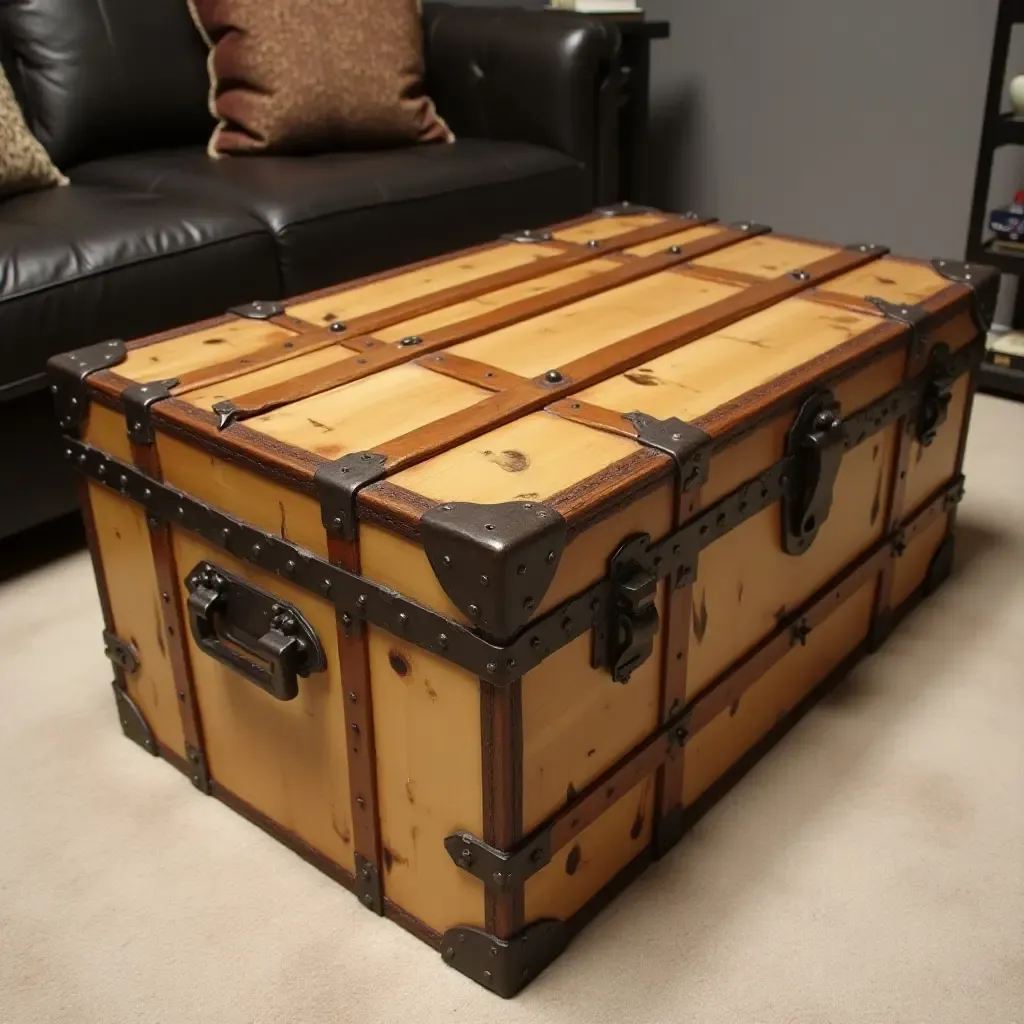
x=308, y=75
x=24, y=164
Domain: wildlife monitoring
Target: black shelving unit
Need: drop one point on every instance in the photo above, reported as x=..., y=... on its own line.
x=999, y=129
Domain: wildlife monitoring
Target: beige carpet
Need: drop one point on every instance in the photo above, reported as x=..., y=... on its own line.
x=871, y=869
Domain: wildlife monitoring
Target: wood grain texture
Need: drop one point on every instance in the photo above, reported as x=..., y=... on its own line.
x=288, y=759
x=593, y=858
x=362, y=415
x=122, y=536
x=585, y=327
x=895, y=280
x=429, y=778
x=192, y=353
x=600, y=228
x=395, y=289
x=529, y=459
x=684, y=237
x=766, y=256
x=722, y=742
x=242, y=493
x=106, y=429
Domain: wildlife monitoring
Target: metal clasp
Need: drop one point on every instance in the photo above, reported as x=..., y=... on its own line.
x=814, y=446
x=627, y=639
x=938, y=391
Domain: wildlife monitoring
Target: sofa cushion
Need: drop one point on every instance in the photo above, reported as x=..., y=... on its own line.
x=341, y=215
x=83, y=263
x=24, y=164
x=99, y=78
x=321, y=75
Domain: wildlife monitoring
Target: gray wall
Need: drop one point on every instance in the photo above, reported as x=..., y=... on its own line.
x=846, y=119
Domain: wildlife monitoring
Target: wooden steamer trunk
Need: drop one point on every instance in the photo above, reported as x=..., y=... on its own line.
x=475, y=582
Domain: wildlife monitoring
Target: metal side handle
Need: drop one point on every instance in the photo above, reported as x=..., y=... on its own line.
x=229, y=618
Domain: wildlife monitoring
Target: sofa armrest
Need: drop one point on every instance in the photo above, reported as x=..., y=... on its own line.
x=521, y=75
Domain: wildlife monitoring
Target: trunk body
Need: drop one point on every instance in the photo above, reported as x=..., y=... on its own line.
x=475, y=582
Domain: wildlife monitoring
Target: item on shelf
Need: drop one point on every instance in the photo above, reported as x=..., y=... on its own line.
x=1017, y=95
x=475, y=611
x=1006, y=348
x=1007, y=224
x=596, y=6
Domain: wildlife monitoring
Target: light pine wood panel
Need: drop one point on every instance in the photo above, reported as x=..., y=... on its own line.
x=402, y=565
x=495, y=300
x=697, y=378
x=429, y=779
x=566, y=334
x=357, y=416
x=745, y=581
x=136, y=603
x=261, y=502
x=679, y=238
x=909, y=571
x=209, y=395
x=390, y=291
x=288, y=759
x=585, y=558
x=577, y=722
x=727, y=737
x=765, y=256
x=106, y=429
x=608, y=227
x=529, y=459
x=929, y=468
x=190, y=352
x=584, y=867
x=890, y=279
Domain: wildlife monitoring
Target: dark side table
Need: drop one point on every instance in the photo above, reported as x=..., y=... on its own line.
x=635, y=110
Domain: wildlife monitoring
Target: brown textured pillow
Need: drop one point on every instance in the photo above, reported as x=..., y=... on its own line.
x=24, y=164
x=307, y=75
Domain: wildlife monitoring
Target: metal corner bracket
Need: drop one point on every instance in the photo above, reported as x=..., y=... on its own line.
x=133, y=721
x=68, y=373
x=367, y=884
x=260, y=309
x=983, y=282
x=495, y=562
x=504, y=965
x=139, y=400
x=527, y=236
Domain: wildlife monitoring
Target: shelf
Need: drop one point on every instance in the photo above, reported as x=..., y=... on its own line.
x=1008, y=131
x=1004, y=262
x=1001, y=380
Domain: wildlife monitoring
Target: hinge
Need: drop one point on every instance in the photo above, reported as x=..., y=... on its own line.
x=504, y=965
x=868, y=247
x=139, y=400
x=367, y=884
x=120, y=652
x=814, y=446
x=198, y=770
x=68, y=373
x=687, y=445
x=626, y=640
x=337, y=484
x=133, y=721
x=495, y=562
x=750, y=227
x=261, y=309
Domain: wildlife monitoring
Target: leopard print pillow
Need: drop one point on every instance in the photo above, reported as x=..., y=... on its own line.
x=24, y=164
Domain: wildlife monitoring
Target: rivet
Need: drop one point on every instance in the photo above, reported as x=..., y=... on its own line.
x=676, y=250
x=473, y=610
x=410, y=341
x=257, y=550
x=368, y=899
x=81, y=459
x=484, y=581
x=499, y=879
x=491, y=668
x=528, y=603
x=124, y=479
x=487, y=977
x=289, y=566
x=403, y=620
x=326, y=586
x=594, y=243
x=346, y=619
x=360, y=802
x=225, y=533
x=550, y=558
x=442, y=640
x=521, y=570
x=147, y=494
x=337, y=327
x=449, y=954
x=355, y=728
x=553, y=377
x=447, y=560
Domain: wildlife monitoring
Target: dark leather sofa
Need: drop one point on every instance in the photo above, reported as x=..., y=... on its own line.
x=151, y=233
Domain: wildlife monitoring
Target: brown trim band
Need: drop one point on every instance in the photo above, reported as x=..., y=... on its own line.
x=147, y=459
x=471, y=371
x=346, y=369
